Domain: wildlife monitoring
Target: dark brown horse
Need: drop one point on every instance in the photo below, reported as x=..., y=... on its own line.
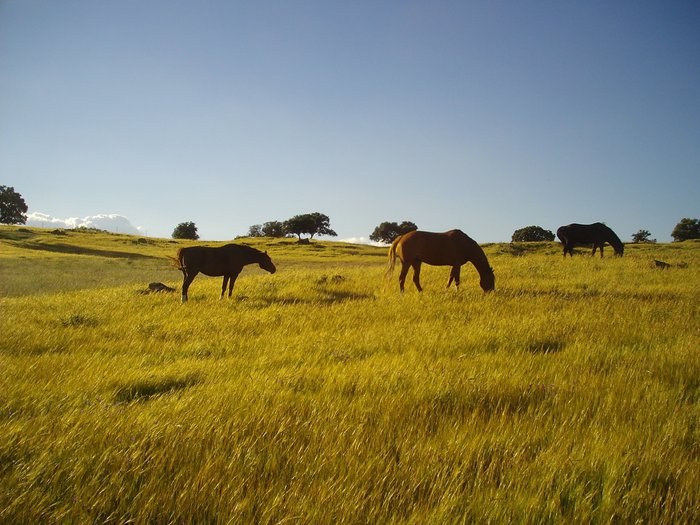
x=452, y=248
x=596, y=234
x=227, y=260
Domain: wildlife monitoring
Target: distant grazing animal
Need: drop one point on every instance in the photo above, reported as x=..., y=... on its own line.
x=596, y=234
x=452, y=248
x=227, y=260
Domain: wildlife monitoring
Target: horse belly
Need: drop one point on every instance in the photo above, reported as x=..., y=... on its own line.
x=213, y=273
x=437, y=260
x=213, y=267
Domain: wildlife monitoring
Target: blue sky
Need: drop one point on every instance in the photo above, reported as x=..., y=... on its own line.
x=484, y=116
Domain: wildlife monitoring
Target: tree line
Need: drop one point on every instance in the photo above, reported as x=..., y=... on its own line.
x=305, y=224
x=13, y=210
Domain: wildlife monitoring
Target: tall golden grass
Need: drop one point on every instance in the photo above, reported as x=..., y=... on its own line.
x=322, y=395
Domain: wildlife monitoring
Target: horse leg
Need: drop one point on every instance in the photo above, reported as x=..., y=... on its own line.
x=601, y=250
x=187, y=280
x=455, y=275
x=402, y=276
x=416, y=274
x=234, y=276
x=223, y=286
x=183, y=298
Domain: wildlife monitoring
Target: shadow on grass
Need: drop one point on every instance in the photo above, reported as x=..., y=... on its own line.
x=20, y=234
x=486, y=401
x=326, y=298
x=586, y=293
x=80, y=250
x=78, y=320
x=333, y=296
x=145, y=389
x=545, y=346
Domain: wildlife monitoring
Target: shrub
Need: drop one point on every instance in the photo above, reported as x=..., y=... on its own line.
x=686, y=229
x=532, y=234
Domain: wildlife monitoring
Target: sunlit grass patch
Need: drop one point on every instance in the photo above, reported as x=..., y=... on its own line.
x=321, y=394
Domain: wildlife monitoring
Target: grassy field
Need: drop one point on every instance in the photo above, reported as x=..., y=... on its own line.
x=321, y=395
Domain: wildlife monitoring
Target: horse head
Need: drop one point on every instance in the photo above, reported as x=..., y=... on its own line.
x=266, y=263
x=488, y=281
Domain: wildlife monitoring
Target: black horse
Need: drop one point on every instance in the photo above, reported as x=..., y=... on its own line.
x=227, y=260
x=596, y=234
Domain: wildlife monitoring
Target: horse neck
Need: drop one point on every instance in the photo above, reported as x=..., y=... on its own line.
x=478, y=258
x=254, y=256
x=613, y=240
x=244, y=254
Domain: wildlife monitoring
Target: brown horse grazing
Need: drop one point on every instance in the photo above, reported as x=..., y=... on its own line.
x=452, y=248
x=596, y=234
x=227, y=260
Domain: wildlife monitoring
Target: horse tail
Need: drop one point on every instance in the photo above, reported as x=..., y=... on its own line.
x=562, y=234
x=179, y=261
x=392, y=256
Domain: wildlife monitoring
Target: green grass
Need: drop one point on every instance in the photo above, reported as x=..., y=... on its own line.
x=322, y=395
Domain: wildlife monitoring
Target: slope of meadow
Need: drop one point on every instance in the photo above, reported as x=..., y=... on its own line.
x=320, y=394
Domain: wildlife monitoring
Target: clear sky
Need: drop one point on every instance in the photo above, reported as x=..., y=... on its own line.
x=484, y=116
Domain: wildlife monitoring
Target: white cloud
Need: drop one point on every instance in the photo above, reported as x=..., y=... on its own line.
x=110, y=222
x=362, y=240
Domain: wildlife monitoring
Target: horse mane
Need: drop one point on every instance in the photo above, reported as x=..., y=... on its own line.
x=243, y=247
x=249, y=249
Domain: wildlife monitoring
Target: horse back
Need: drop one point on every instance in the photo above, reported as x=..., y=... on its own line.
x=438, y=249
x=212, y=261
x=584, y=233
